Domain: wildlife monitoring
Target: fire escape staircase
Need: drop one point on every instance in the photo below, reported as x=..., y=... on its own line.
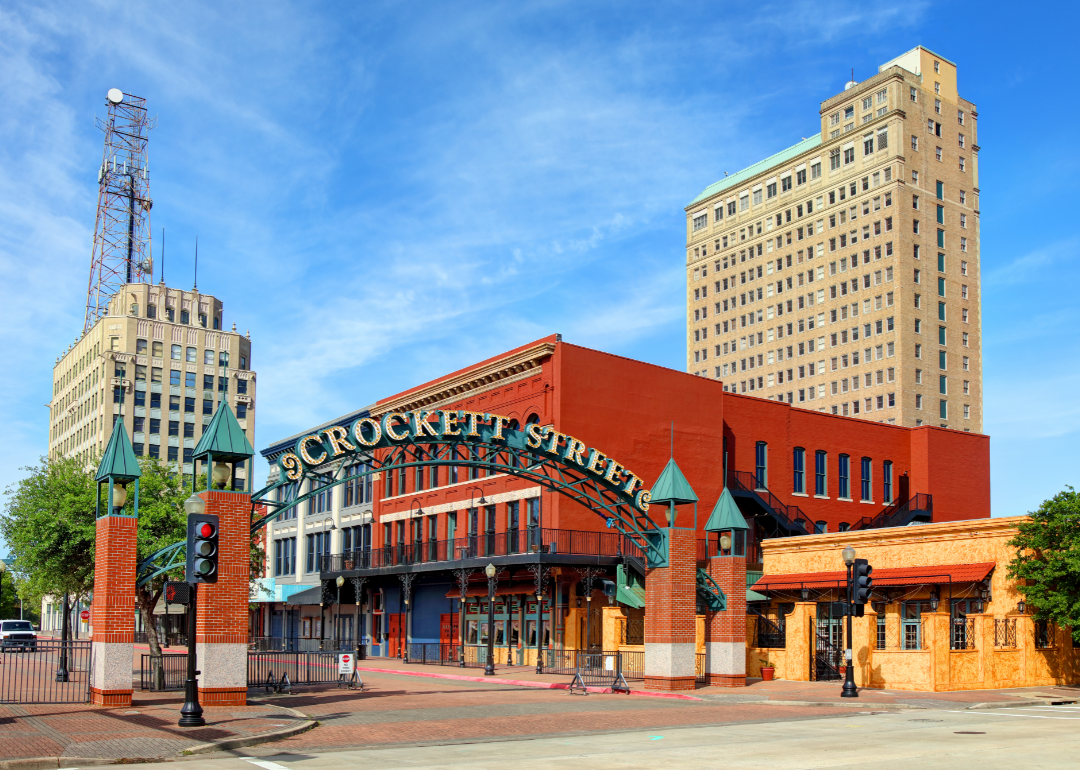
x=786, y=519
x=918, y=509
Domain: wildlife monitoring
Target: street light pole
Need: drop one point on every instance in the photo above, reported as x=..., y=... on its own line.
x=337, y=621
x=191, y=714
x=849, y=690
x=489, y=667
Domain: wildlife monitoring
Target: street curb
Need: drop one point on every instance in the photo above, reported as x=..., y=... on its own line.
x=865, y=705
x=40, y=763
x=250, y=740
x=520, y=683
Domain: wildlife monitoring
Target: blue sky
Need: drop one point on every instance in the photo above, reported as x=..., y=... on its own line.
x=384, y=192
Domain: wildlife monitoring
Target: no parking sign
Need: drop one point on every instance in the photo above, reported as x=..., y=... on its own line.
x=346, y=664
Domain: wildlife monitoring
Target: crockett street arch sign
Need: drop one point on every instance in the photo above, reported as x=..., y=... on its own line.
x=456, y=428
x=541, y=454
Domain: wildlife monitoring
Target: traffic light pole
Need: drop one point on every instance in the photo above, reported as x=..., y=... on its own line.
x=191, y=715
x=850, y=690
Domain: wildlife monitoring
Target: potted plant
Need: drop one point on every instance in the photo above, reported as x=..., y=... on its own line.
x=767, y=670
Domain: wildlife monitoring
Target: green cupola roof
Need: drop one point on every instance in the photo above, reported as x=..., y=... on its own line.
x=725, y=514
x=223, y=438
x=672, y=487
x=119, y=461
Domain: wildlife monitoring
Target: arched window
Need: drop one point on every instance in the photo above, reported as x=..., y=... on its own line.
x=820, y=527
x=866, y=490
x=820, y=487
x=761, y=466
x=843, y=478
x=843, y=527
x=798, y=466
x=886, y=479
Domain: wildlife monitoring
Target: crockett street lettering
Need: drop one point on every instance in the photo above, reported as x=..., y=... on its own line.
x=423, y=427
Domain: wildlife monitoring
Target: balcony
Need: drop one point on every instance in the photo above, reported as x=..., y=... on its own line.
x=524, y=546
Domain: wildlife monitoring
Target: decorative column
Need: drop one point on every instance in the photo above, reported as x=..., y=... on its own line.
x=671, y=591
x=725, y=630
x=113, y=605
x=221, y=611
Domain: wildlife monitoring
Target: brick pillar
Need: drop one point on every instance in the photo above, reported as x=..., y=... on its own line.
x=725, y=631
x=113, y=611
x=670, y=609
x=221, y=626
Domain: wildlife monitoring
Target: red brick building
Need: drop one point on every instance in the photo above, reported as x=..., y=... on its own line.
x=791, y=471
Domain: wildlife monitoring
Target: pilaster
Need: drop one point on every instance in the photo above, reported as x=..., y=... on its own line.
x=113, y=611
x=670, y=616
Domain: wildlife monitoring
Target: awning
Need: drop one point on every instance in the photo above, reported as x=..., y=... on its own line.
x=886, y=576
x=480, y=590
x=310, y=596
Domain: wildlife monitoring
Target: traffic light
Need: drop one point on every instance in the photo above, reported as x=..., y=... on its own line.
x=862, y=583
x=202, y=548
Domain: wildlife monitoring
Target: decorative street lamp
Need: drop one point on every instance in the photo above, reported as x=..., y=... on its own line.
x=849, y=690
x=489, y=667
x=337, y=621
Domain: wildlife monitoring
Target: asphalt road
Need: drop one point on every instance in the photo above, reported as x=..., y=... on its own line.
x=1027, y=737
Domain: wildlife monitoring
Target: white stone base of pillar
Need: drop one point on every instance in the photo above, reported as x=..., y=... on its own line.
x=670, y=659
x=224, y=667
x=110, y=677
x=725, y=663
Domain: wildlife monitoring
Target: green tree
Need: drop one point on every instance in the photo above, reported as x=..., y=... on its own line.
x=48, y=524
x=1047, y=562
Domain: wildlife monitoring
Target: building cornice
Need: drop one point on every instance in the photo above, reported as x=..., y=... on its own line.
x=479, y=379
x=894, y=536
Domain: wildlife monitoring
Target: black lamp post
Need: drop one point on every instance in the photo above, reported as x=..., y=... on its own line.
x=191, y=714
x=849, y=690
x=489, y=667
x=539, y=632
x=337, y=621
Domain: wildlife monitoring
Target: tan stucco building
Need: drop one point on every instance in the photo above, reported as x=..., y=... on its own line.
x=842, y=274
x=162, y=360
x=944, y=615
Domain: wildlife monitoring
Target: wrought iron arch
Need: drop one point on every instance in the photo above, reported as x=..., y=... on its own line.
x=553, y=460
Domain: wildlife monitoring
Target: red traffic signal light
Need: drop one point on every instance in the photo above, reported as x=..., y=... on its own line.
x=202, y=548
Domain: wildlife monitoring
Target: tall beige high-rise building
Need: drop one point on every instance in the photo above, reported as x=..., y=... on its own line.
x=842, y=274
x=162, y=360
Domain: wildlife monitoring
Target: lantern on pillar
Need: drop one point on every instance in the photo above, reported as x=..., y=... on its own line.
x=727, y=525
x=224, y=448
x=119, y=468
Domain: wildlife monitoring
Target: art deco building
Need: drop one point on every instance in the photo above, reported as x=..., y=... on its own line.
x=842, y=274
x=162, y=360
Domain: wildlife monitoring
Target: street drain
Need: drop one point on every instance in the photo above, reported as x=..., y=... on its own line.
x=967, y=732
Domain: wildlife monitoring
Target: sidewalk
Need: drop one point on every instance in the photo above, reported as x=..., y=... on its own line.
x=778, y=692
x=78, y=734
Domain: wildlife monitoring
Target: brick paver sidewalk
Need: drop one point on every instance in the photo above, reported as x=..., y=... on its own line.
x=147, y=730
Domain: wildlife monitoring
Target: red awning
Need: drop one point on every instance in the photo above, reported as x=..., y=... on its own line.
x=886, y=576
x=511, y=589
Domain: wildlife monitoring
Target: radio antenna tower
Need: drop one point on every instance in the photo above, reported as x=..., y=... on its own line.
x=122, y=252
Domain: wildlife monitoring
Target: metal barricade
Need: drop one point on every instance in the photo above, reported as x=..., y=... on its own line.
x=45, y=671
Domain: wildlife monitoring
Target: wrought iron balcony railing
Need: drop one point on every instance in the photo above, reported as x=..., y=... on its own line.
x=486, y=545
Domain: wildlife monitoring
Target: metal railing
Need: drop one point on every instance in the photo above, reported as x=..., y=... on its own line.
x=438, y=654
x=699, y=669
x=1005, y=632
x=269, y=668
x=898, y=513
x=45, y=671
x=791, y=516
x=1044, y=635
x=161, y=673
x=486, y=545
x=771, y=633
x=299, y=644
x=963, y=634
